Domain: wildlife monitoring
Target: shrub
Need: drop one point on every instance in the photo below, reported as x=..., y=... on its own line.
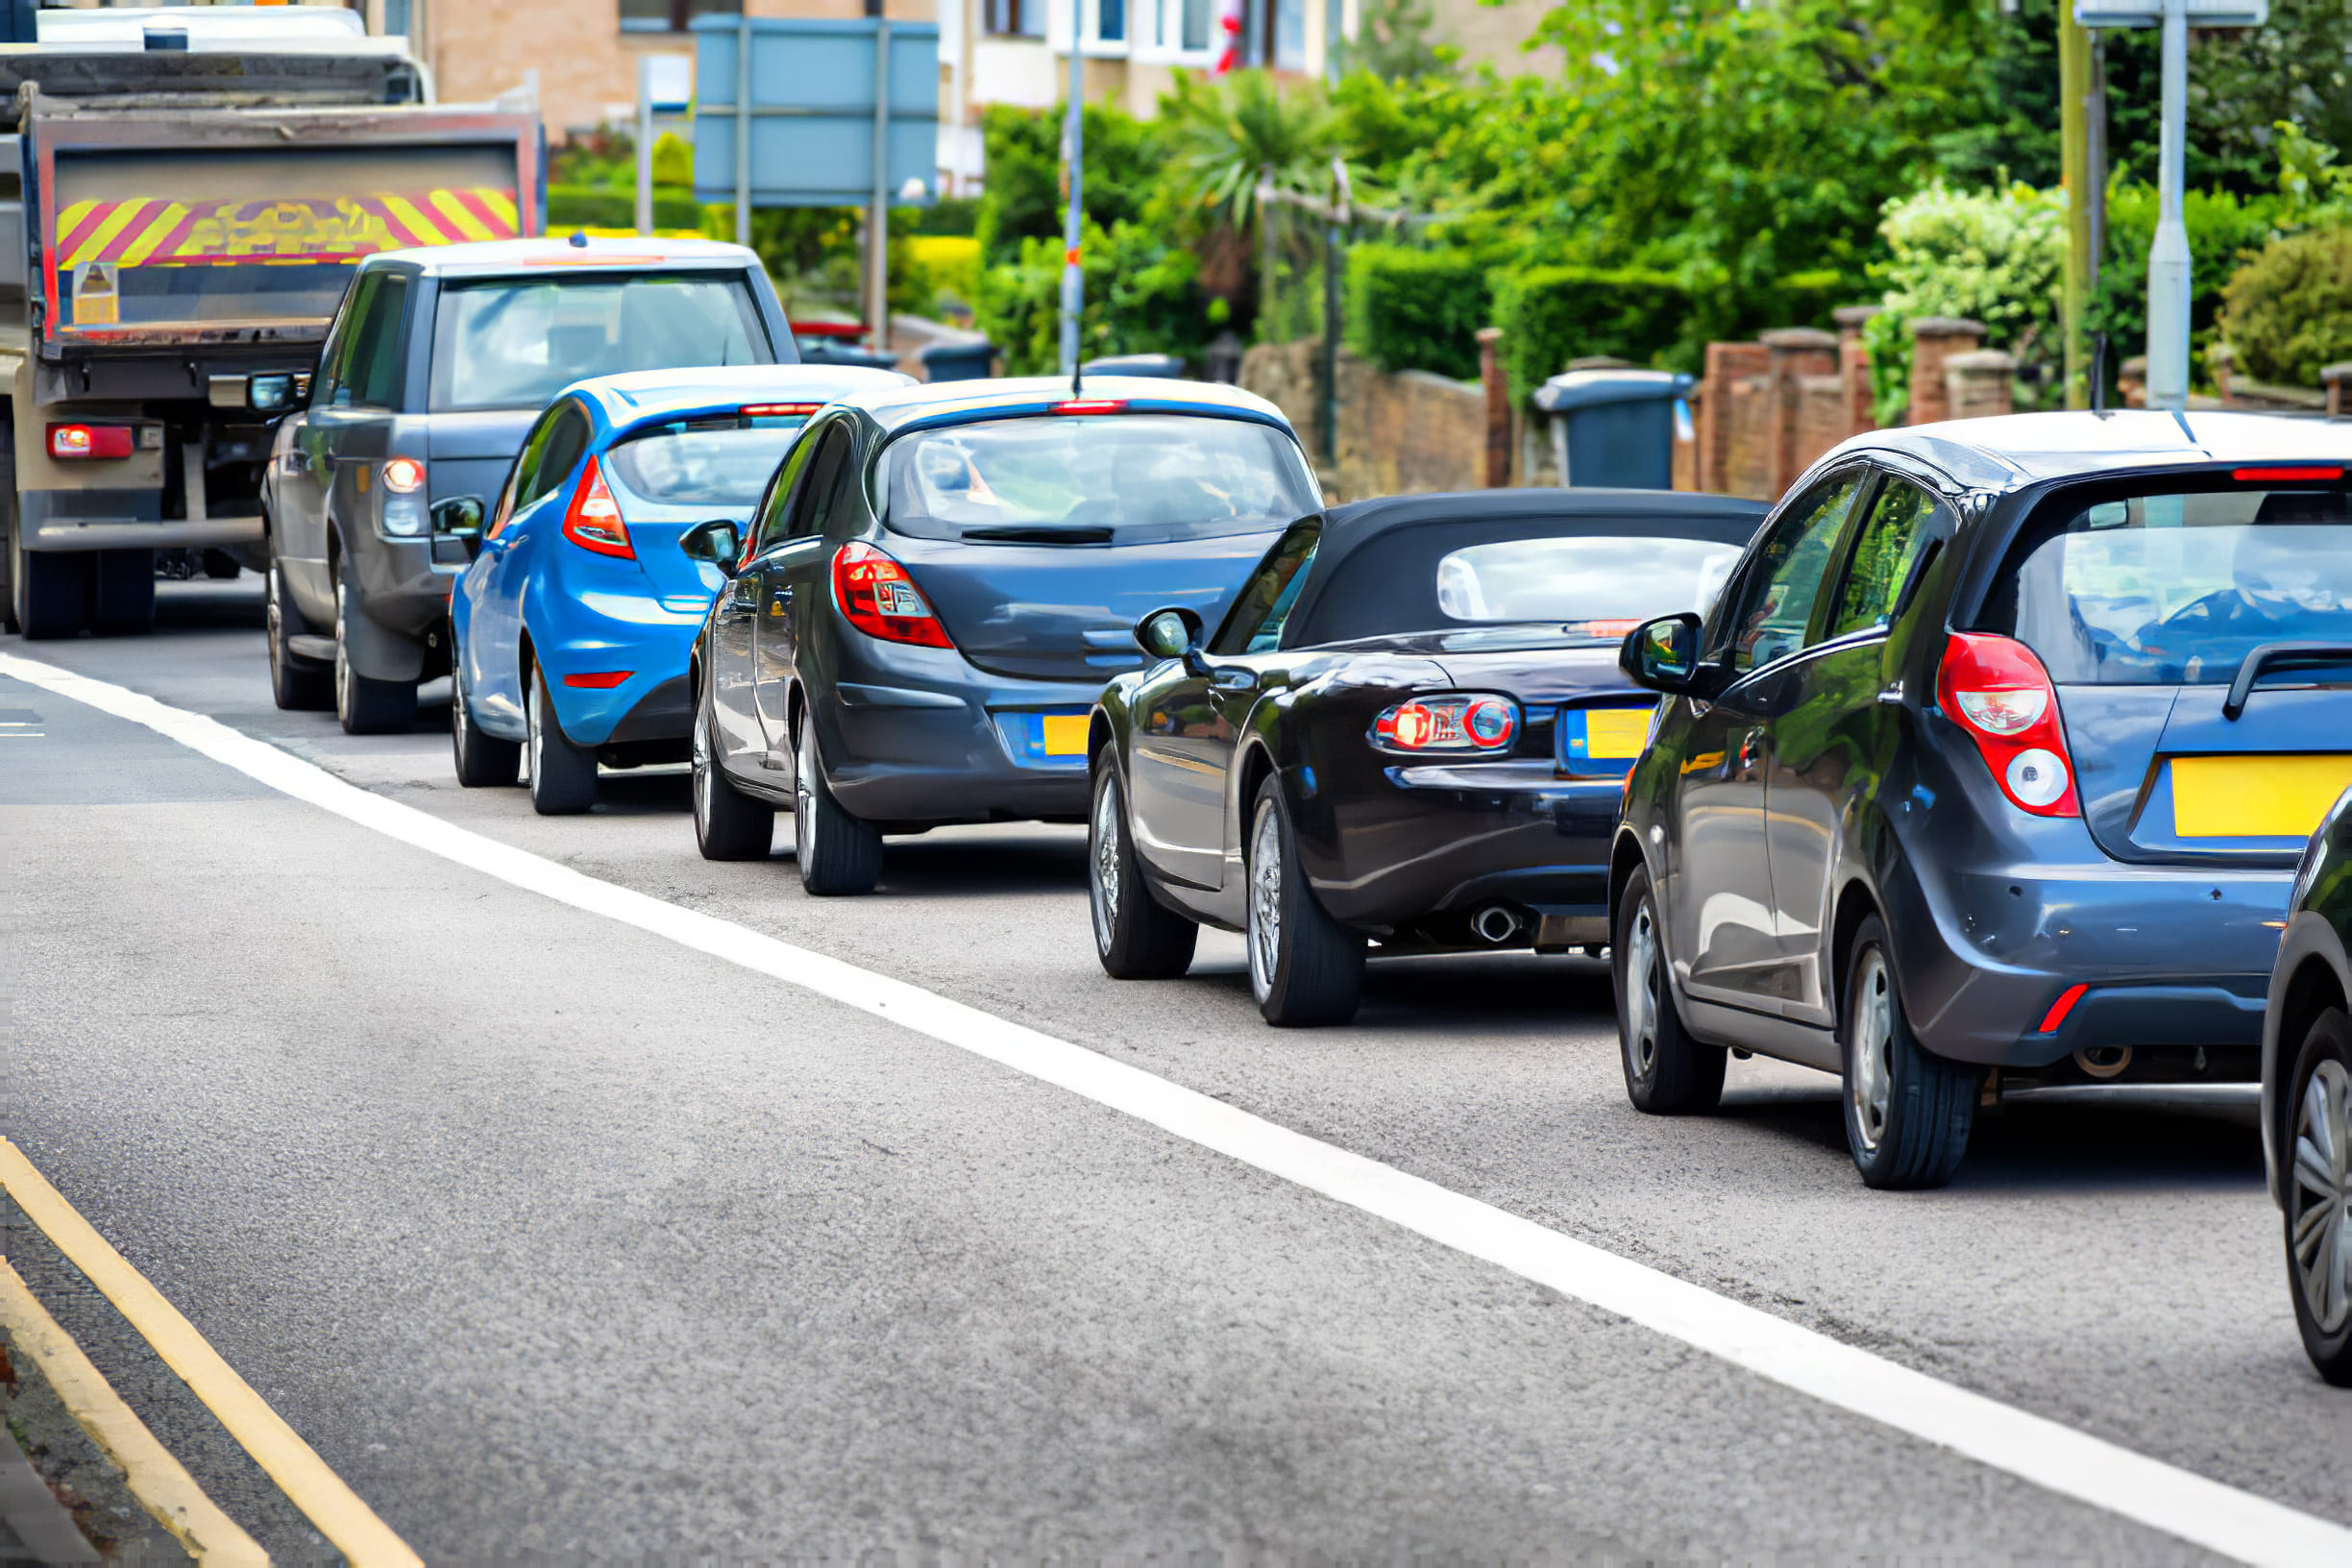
x=1410, y=310
x=2288, y=311
x=1553, y=314
x=603, y=207
x=937, y=264
x=1141, y=295
x=2223, y=231
x=1023, y=197
x=1990, y=256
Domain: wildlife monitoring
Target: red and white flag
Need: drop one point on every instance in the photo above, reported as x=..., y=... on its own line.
x=1229, y=35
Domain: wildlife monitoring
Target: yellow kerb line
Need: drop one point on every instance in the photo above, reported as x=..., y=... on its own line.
x=160, y=1483
x=366, y=1540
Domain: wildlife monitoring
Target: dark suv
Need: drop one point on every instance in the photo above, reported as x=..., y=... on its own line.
x=438, y=362
x=1992, y=765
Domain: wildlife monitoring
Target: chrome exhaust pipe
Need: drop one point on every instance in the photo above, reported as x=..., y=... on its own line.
x=1495, y=925
x=2104, y=1062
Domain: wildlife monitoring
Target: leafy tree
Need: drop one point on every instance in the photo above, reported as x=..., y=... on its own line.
x=1024, y=198
x=1393, y=43
x=1992, y=256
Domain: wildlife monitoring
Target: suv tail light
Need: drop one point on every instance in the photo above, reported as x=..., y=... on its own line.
x=1448, y=723
x=878, y=598
x=1994, y=688
x=594, y=521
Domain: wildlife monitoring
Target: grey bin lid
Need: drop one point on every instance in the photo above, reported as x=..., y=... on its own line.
x=1591, y=388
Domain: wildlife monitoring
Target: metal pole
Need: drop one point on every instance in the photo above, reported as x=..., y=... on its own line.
x=2074, y=160
x=877, y=216
x=2167, y=307
x=742, y=129
x=644, y=149
x=1073, y=232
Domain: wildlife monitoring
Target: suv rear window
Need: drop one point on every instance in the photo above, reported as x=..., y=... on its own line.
x=2171, y=588
x=1094, y=478
x=516, y=342
x=724, y=461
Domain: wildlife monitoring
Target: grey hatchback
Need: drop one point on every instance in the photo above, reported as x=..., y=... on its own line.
x=1991, y=766
x=437, y=364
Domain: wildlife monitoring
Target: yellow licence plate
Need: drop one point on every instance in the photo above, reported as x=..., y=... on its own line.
x=2255, y=797
x=1616, y=732
x=1064, y=733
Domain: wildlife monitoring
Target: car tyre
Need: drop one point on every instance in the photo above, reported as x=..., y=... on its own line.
x=1669, y=1071
x=1907, y=1112
x=839, y=854
x=2318, y=1194
x=1136, y=936
x=563, y=777
x=728, y=823
x=482, y=761
x=365, y=706
x=124, y=604
x=298, y=684
x=1305, y=968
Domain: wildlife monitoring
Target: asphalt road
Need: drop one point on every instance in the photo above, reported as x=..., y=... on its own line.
x=553, y=1236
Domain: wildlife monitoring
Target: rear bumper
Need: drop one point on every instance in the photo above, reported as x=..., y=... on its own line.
x=652, y=705
x=1436, y=844
x=2170, y=961
x=76, y=520
x=918, y=735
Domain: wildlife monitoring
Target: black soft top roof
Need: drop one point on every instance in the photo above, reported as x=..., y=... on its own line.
x=1376, y=565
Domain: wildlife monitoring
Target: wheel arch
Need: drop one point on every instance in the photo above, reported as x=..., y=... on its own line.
x=1626, y=857
x=1256, y=766
x=1856, y=902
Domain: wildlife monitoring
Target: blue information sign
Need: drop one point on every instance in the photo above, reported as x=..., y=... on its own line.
x=813, y=127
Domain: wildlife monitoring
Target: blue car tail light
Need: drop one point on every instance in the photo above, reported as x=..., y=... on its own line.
x=593, y=521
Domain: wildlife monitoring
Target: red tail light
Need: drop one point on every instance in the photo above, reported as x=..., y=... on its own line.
x=878, y=598
x=1448, y=723
x=403, y=476
x=1994, y=688
x=601, y=681
x=73, y=441
x=594, y=521
x=776, y=410
x=1090, y=405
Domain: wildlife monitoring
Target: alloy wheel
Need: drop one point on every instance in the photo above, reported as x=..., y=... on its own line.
x=2319, y=1197
x=1103, y=890
x=1265, y=872
x=536, y=727
x=346, y=699
x=804, y=786
x=1642, y=990
x=702, y=767
x=1870, y=1077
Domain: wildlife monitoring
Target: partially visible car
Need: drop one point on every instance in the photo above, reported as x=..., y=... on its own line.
x=570, y=631
x=1410, y=730
x=2307, y=1094
x=437, y=363
x=1991, y=769
x=936, y=586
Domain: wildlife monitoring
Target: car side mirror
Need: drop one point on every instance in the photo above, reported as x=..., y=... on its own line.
x=1663, y=654
x=718, y=542
x=460, y=517
x=1173, y=634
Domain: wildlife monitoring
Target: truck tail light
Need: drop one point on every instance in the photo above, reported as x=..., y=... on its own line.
x=878, y=598
x=79, y=441
x=1995, y=688
x=1448, y=723
x=594, y=521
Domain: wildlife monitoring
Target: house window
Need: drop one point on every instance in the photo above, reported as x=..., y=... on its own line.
x=672, y=15
x=1016, y=18
x=1197, y=15
x=1111, y=20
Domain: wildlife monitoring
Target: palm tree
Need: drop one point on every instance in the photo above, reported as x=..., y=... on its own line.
x=1244, y=135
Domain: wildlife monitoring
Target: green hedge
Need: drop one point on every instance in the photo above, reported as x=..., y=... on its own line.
x=1410, y=310
x=1551, y=315
x=2288, y=311
x=604, y=207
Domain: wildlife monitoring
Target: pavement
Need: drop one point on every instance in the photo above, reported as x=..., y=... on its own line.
x=553, y=1236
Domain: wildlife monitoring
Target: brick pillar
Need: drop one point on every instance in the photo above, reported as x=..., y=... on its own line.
x=1498, y=407
x=2131, y=382
x=1725, y=364
x=2333, y=377
x=1853, y=367
x=1935, y=339
x=1796, y=353
x=1979, y=385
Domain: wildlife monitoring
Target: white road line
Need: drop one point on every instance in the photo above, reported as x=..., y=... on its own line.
x=2056, y=1458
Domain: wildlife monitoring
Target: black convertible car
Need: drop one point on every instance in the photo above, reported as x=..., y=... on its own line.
x=1410, y=728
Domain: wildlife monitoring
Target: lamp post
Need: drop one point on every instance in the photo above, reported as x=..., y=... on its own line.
x=1074, y=142
x=2168, y=260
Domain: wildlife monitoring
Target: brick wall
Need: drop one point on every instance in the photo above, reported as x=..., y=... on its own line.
x=1399, y=435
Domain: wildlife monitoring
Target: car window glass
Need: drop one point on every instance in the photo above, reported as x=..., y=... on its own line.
x=1784, y=575
x=527, y=464
x=566, y=444
x=784, y=496
x=1886, y=548
x=329, y=380
x=371, y=374
x=1259, y=615
x=516, y=342
x=823, y=483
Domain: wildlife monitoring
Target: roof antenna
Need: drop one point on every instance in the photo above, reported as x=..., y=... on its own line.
x=1077, y=387
x=2098, y=375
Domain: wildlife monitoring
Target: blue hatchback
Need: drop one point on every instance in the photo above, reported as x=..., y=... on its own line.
x=573, y=625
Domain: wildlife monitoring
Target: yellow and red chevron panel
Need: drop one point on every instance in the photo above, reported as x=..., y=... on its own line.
x=157, y=231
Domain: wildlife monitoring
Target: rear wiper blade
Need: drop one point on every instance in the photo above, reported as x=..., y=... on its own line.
x=1040, y=536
